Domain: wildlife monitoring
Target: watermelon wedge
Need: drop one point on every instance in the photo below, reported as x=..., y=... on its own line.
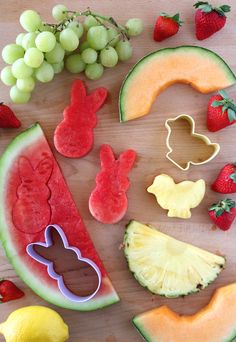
x=33, y=194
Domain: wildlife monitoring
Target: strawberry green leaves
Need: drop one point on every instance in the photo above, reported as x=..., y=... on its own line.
x=226, y=104
x=205, y=7
x=222, y=206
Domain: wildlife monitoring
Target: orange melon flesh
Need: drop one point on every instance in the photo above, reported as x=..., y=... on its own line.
x=214, y=323
x=201, y=68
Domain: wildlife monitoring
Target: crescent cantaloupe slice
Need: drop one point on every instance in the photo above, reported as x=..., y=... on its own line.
x=203, y=69
x=214, y=323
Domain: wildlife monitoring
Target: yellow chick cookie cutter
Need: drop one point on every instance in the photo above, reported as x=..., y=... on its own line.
x=205, y=139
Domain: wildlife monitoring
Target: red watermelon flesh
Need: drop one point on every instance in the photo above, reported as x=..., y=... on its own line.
x=108, y=202
x=34, y=194
x=73, y=136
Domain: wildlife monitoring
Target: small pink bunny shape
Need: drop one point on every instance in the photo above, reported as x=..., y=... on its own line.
x=31, y=212
x=108, y=202
x=73, y=136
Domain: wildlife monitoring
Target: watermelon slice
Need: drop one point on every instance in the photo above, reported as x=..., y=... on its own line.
x=33, y=194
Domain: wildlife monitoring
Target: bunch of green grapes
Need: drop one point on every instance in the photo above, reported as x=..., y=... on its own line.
x=44, y=49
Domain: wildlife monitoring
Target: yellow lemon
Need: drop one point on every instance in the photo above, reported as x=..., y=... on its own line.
x=34, y=324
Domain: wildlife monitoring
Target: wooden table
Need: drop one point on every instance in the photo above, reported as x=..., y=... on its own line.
x=147, y=136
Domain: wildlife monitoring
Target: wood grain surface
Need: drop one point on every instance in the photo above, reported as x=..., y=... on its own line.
x=147, y=136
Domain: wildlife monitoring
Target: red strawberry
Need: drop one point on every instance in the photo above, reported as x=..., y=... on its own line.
x=225, y=183
x=223, y=213
x=166, y=26
x=221, y=112
x=8, y=118
x=209, y=19
x=9, y=291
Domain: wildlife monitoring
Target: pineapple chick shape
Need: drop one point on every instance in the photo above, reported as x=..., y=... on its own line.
x=178, y=198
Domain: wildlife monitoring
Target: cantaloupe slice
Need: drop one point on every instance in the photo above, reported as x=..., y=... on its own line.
x=203, y=69
x=214, y=323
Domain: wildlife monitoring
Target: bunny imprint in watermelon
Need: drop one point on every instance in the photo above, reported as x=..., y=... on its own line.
x=73, y=136
x=34, y=194
x=108, y=202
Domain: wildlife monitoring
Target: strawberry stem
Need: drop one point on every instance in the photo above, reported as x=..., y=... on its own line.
x=205, y=7
x=175, y=17
x=222, y=206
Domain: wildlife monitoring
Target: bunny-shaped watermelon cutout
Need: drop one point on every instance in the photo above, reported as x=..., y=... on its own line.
x=32, y=196
x=73, y=137
x=108, y=201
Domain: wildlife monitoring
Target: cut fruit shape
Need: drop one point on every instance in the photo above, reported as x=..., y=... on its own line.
x=166, y=266
x=214, y=323
x=32, y=145
x=203, y=69
x=179, y=198
x=186, y=147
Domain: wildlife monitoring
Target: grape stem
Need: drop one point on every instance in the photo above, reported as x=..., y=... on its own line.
x=75, y=14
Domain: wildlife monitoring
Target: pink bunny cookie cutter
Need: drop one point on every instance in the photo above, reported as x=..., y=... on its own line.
x=50, y=267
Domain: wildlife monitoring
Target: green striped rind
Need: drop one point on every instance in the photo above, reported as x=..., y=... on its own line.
x=152, y=55
x=18, y=144
x=142, y=331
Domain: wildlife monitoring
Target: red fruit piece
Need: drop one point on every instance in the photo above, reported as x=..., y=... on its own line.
x=8, y=118
x=166, y=26
x=9, y=291
x=108, y=202
x=223, y=213
x=225, y=182
x=73, y=136
x=209, y=19
x=31, y=212
x=221, y=112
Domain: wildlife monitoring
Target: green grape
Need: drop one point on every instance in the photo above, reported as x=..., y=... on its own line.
x=18, y=96
x=56, y=55
x=113, y=36
x=25, y=84
x=97, y=37
x=44, y=73
x=109, y=57
x=12, y=52
x=20, y=69
x=33, y=57
x=45, y=41
x=84, y=46
x=19, y=38
x=94, y=71
x=124, y=50
x=57, y=12
x=57, y=35
x=134, y=26
x=69, y=40
x=89, y=56
x=77, y=28
x=29, y=40
x=75, y=64
x=90, y=21
x=30, y=20
x=7, y=77
x=58, y=67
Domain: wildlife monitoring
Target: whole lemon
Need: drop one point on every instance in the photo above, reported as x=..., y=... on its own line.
x=34, y=324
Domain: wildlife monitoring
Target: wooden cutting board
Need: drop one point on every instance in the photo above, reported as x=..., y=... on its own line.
x=147, y=136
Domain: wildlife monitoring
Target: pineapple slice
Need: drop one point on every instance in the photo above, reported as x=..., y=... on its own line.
x=167, y=266
x=179, y=198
